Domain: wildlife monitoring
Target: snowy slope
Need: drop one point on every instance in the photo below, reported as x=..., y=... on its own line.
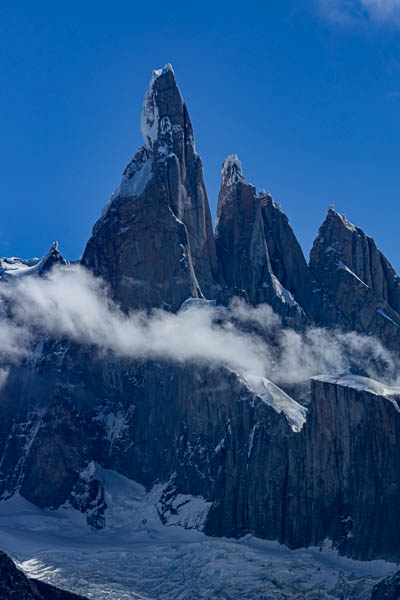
x=136, y=557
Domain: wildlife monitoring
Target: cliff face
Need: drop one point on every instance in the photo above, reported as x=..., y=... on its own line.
x=161, y=203
x=360, y=290
x=352, y=477
x=260, y=461
x=240, y=242
x=242, y=248
x=286, y=256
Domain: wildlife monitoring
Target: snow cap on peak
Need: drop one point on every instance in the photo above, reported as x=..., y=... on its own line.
x=232, y=170
x=166, y=69
x=150, y=118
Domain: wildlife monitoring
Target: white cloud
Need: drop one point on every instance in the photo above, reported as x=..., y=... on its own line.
x=71, y=303
x=385, y=12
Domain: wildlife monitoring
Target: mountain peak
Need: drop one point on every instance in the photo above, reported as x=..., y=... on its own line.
x=340, y=218
x=51, y=258
x=166, y=69
x=160, y=203
x=231, y=171
x=163, y=106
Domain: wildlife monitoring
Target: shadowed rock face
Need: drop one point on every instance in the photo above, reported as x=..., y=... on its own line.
x=206, y=433
x=351, y=481
x=242, y=248
x=154, y=243
x=51, y=259
x=14, y=585
x=359, y=288
x=285, y=254
x=240, y=242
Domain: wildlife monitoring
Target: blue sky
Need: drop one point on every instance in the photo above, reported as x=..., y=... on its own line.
x=306, y=92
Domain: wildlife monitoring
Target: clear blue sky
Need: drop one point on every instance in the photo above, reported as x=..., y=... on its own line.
x=306, y=92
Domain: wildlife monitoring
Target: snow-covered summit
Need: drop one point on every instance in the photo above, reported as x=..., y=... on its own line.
x=231, y=171
x=150, y=117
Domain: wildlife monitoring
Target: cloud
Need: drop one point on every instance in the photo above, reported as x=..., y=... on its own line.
x=384, y=12
x=295, y=357
x=71, y=303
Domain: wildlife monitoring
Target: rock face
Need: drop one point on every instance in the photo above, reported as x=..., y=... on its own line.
x=161, y=204
x=286, y=256
x=360, y=288
x=240, y=242
x=258, y=460
x=14, y=585
x=262, y=463
x=242, y=247
x=351, y=477
x=51, y=259
x=388, y=588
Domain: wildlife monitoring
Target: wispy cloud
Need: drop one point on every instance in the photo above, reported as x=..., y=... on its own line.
x=384, y=12
x=71, y=303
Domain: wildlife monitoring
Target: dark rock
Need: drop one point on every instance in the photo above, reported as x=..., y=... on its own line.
x=242, y=249
x=52, y=258
x=360, y=290
x=285, y=254
x=14, y=585
x=240, y=243
x=352, y=467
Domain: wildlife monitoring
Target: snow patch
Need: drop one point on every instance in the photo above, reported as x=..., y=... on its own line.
x=115, y=425
x=134, y=184
x=188, y=511
x=134, y=180
x=381, y=312
x=272, y=395
x=284, y=294
x=150, y=118
x=251, y=439
x=231, y=172
x=341, y=265
x=197, y=303
x=361, y=384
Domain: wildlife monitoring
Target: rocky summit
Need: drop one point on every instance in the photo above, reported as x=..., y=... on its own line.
x=300, y=444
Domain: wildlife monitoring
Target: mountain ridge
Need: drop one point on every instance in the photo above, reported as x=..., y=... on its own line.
x=312, y=459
